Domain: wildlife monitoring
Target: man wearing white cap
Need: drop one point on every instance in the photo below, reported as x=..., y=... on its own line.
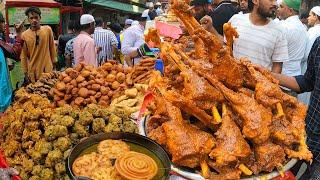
x=158, y=8
x=133, y=38
x=84, y=47
x=127, y=23
x=314, y=23
x=296, y=36
x=150, y=13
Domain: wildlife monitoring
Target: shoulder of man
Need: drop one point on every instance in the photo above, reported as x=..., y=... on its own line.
x=238, y=17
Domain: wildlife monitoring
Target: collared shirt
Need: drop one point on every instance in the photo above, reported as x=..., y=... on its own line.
x=133, y=38
x=263, y=45
x=69, y=50
x=221, y=14
x=310, y=81
x=105, y=39
x=297, y=39
x=85, y=50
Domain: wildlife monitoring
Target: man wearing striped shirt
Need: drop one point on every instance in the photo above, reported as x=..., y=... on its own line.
x=260, y=38
x=105, y=41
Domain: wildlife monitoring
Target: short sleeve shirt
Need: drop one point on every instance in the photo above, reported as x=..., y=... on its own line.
x=263, y=45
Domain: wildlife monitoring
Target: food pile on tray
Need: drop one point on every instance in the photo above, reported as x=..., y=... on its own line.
x=226, y=117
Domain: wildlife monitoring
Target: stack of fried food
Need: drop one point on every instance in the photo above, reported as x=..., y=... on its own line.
x=36, y=138
x=141, y=72
x=44, y=85
x=228, y=116
x=84, y=85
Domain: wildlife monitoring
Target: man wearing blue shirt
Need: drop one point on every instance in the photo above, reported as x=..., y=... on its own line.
x=310, y=81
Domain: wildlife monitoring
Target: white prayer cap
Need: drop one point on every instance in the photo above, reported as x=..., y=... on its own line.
x=86, y=19
x=135, y=23
x=316, y=10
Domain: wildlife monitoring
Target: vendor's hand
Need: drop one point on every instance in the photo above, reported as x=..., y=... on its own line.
x=128, y=60
x=19, y=27
x=206, y=23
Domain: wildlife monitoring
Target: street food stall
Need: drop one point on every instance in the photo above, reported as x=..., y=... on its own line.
x=51, y=14
x=205, y=115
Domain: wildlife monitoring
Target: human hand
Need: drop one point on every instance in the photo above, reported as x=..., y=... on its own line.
x=19, y=27
x=128, y=60
x=206, y=23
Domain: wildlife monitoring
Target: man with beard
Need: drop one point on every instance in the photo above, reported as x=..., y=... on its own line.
x=39, y=52
x=260, y=38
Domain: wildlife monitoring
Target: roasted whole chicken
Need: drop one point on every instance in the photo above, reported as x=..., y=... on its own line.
x=225, y=116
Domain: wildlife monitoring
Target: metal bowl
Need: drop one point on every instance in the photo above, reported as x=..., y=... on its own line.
x=127, y=137
x=190, y=174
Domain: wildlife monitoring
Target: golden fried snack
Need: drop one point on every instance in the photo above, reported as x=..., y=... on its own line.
x=85, y=165
x=113, y=149
x=104, y=173
x=136, y=166
x=88, y=164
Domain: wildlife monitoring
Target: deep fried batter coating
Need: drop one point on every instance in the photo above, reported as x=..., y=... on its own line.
x=88, y=163
x=62, y=143
x=67, y=121
x=80, y=130
x=60, y=168
x=53, y=132
x=43, y=146
x=53, y=157
x=85, y=118
x=98, y=125
x=113, y=148
x=46, y=174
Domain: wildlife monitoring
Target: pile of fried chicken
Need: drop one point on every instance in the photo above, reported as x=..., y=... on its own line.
x=228, y=117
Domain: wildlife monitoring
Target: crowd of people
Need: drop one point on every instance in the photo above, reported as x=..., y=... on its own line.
x=271, y=34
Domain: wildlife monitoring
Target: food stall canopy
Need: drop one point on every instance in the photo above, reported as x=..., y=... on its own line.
x=130, y=8
x=27, y=3
x=50, y=10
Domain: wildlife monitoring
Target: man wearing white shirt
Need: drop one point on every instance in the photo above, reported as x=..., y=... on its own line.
x=314, y=31
x=133, y=38
x=296, y=35
x=260, y=38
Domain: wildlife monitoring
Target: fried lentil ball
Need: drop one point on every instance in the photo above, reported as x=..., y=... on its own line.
x=80, y=130
x=46, y=174
x=98, y=125
x=54, y=131
x=62, y=143
x=53, y=157
x=60, y=168
x=43, y=147
x=85, y=118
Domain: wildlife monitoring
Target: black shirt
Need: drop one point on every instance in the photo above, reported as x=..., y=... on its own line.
x=221, y=14
x=63, y=39
x=152, y=14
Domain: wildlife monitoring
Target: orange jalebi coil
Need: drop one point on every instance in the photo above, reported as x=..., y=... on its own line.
x=136, y=166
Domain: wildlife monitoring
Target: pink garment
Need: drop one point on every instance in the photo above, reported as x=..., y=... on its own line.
x=84, y=50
